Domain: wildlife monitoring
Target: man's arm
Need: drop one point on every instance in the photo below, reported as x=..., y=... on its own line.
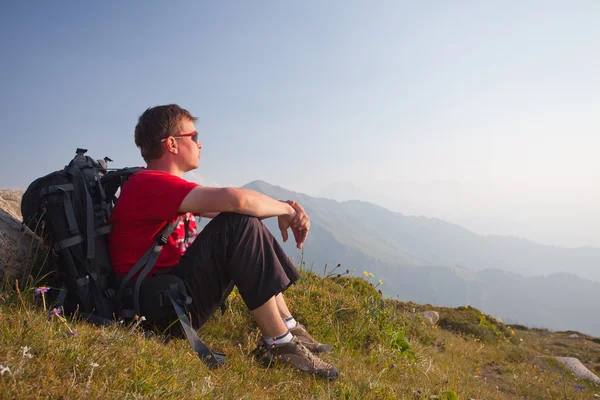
x=209, y=215
x=211, y=201
x=203, y=199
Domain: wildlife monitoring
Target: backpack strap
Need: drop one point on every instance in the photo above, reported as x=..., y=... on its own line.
x=179, y=300
x=72, y=241
x=146, y=262
x=161, y=240
x=91, y=243
x=69, y=210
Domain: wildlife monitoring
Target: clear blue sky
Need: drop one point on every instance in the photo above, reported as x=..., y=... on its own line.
x=504, y=96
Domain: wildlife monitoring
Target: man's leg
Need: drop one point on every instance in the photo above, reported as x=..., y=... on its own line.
x=233, y=250
x=268, y=318
x=239, y=250
x=284, y=312
x=299, y=330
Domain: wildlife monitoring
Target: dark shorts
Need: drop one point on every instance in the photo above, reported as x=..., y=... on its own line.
x=233, y=249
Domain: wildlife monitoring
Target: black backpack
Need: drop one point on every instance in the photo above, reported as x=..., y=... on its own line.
x=70, y=209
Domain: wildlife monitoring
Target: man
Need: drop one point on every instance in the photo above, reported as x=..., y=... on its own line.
x=235, y=248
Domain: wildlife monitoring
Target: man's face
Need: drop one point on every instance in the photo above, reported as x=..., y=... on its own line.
x=189, y=149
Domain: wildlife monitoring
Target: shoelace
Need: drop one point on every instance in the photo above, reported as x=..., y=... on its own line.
x=306, y=334
x=313, y=359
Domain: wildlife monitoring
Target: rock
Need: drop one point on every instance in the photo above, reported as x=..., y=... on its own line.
x=10, y=201
x=431, y=316
x=574, y=336
x=21, y=251
x=578, y=369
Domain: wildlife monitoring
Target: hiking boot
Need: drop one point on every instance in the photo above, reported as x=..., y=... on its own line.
x=298, y=356
x=300, y=332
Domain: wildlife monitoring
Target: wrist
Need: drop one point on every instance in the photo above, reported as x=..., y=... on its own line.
x=291, y=211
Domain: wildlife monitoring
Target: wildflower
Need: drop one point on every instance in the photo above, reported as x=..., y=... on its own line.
x=579, y=388
x=419, y=390
x=365, y=273
x=89, y=381
x=4, y=369
x=25, y=352
x=41, y=289
x=55, y=312
x=207, y=385
x=371, y=274
x=380, y=282
x=512, y=332
x=72, y=333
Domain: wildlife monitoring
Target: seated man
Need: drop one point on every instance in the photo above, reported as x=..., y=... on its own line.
x=235, y=248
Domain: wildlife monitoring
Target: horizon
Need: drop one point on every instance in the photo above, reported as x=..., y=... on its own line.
x=481, y=115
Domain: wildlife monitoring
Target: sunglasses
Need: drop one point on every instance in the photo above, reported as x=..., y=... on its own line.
x=193, y=135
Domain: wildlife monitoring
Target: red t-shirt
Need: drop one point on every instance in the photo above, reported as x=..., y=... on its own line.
x=147, y=201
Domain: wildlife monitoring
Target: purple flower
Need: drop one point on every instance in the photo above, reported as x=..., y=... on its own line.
x=579, y=388
x=41, y=289
x=55, y=311
x=72, y=333
x=420, y=390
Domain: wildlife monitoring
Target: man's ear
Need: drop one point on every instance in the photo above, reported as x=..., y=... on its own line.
x=172, y=145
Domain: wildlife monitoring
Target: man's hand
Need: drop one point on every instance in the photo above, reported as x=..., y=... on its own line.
x=285, y=222
x=300, y=224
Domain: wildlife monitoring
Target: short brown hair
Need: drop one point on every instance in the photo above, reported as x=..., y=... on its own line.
x=157, y=123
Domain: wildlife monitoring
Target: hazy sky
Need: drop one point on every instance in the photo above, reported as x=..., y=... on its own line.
x=500, y=99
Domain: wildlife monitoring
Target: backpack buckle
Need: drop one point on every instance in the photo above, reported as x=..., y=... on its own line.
x=162, y=240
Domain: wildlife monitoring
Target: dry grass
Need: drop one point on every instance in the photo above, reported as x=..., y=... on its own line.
x=382, y=347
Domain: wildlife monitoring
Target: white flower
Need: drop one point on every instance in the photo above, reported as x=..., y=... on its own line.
x=25, y=352
x=207, y=385
x=94, y=365
x=4, y=369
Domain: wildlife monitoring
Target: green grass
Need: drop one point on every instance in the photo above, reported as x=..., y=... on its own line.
x=383, y=349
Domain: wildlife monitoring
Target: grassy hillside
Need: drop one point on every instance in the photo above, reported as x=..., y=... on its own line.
x=384, y=349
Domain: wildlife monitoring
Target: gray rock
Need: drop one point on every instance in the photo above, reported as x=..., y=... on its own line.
x=578, y=369
x=574, y=336
x=21, y=251
x=431, y=316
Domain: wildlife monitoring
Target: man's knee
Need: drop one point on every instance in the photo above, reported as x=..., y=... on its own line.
x=242, y=220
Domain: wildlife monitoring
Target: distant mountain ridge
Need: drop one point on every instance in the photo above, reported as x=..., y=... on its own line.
x=429, y=260
x=393, y=238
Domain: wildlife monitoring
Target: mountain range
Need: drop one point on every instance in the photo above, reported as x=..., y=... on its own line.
x=429, y=260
